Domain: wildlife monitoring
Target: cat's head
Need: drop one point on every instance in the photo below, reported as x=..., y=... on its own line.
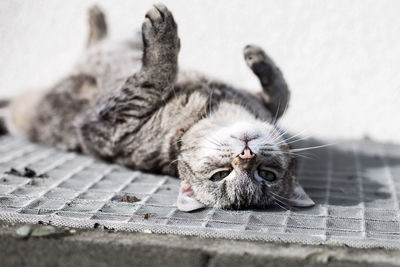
x=236, y=162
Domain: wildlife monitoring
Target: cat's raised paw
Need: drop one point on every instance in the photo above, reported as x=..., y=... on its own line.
x=159, y=27
x=254, y=54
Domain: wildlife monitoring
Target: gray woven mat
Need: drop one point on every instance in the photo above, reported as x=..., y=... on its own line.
x=354, y=184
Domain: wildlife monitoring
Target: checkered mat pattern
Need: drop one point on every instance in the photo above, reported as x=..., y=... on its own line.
x=355, y=186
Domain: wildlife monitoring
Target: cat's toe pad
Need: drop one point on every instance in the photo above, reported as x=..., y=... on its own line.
x=254, y=54
x=159, y=26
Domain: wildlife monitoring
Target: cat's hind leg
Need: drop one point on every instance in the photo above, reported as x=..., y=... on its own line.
x=97, y=26
x=275, y=93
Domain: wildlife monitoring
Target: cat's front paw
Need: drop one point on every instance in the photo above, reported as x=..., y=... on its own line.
x=253, y=55
x=160, y=30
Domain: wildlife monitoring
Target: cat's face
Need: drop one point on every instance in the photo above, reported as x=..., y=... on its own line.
x=237, y=165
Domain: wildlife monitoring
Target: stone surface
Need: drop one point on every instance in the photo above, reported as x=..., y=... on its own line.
x=103, y=248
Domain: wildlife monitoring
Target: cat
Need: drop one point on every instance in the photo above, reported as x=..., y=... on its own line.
x=127, y=103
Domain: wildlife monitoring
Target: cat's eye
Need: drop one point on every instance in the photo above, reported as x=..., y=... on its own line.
x=267, y=175
x=218, y=176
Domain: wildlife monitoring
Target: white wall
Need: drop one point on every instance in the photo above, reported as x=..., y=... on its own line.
x=341, y=58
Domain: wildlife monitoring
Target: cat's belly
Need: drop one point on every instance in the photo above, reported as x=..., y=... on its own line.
x=156, y=146
x=111, y=63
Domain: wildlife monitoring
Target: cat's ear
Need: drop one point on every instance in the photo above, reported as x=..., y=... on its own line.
x=298, y=197
x=186, y=200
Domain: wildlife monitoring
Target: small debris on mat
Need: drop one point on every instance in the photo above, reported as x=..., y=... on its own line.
x=13, y=171
x=147, y=231
x=110, y=230
x=167, y=188
x=31, y=182
x=43, y=175
x=4, y=180
x=39, y=207
x=319, y=257
x=146, y=216
x=129, y=199
x=28, y=172
x=350, y=177
x=103, y=227
x=182, y=129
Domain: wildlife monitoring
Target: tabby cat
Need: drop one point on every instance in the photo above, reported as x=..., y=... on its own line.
x=127, y=103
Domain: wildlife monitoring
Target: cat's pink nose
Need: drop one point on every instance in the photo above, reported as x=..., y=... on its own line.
x=246, y=154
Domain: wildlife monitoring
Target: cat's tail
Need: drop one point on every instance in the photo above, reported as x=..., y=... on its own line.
x=16, y=114
x=4, y=110
x=97, y=26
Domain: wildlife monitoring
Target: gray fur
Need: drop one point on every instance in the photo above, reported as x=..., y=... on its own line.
x=160, y=121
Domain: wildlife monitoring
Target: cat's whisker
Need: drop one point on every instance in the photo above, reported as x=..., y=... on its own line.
x=286, y=107
x=213, y=140
x=298, y=140
x=198, y=147
x=275, y=119
x=177, y=141
x=312, y=147
x=271, y=137
x=277, y=137
x=294, y=136
x=281, y=197
x=280, y=203
x=210, y=102
x=280, y=134
x=286, y=204
x=172, y=162
x=312, y=156
x=267, y=139
x=288, y=153
x=269, y=151
x=294, y=141
x=308, y=156
x=213, y=148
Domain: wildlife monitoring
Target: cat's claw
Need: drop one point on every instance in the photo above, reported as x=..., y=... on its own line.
x=254, y=54
x=159, y=28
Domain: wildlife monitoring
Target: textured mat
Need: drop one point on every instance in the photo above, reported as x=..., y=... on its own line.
x=355, y=186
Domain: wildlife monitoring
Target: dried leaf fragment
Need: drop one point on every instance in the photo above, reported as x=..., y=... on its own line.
x=30, y=173
x=129, y=199
x=23, y=231
x=44, y=231
x=319, y=257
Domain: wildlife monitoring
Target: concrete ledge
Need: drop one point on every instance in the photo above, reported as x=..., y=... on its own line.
x=104, y=248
